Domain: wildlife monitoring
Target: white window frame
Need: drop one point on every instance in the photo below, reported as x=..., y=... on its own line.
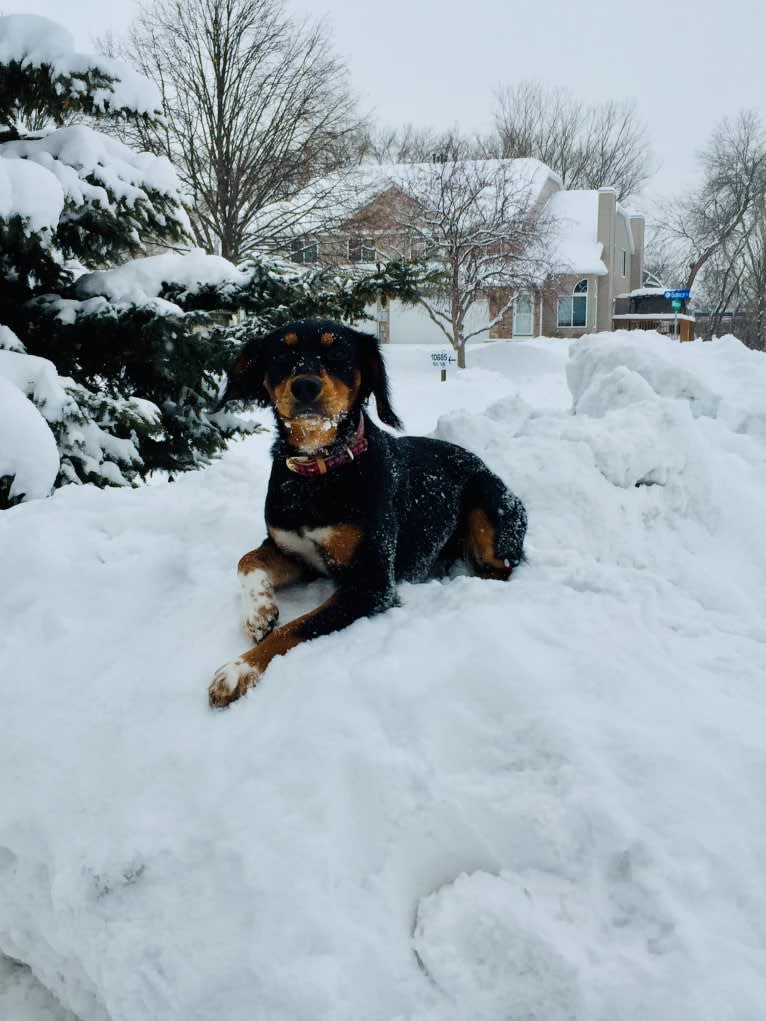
x=566, y=302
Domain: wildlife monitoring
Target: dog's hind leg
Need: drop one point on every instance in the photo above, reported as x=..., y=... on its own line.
x=261, y=572
x=495, y=526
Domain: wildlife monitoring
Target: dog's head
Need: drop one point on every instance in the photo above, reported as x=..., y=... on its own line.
x=315, y=374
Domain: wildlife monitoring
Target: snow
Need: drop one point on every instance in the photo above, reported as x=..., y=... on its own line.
x=142, y=279
x=575, y=247
x=540, y=799
x=76, y=413
x=9, y=341
x=91, y=167
x=38, y=379
x=29, y=192
x=35, y=41
x=27, y=446
x=643, y=292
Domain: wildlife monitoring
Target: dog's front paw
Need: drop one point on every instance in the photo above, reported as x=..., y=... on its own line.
x=231, y=681
x=259, y=609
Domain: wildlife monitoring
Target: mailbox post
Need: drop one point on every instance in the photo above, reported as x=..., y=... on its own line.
x=440, y=360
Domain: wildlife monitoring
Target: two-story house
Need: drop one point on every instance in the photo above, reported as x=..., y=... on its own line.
x=596, y=252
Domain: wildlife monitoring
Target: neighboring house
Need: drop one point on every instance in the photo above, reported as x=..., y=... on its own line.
x=647, y=308
x=596, y=254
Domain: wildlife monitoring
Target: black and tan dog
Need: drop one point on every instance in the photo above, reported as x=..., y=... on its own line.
x=347, y=499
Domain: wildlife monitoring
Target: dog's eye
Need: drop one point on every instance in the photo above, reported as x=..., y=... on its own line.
x=282, y=357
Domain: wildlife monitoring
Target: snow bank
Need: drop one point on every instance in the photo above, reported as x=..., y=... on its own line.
x=22, y=998
x=143, y=279
x=28, y=451
x=540, y=799
x=31, y=193
x=35, y=41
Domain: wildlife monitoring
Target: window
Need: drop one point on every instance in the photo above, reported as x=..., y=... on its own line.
x=422, y=248
x=573, y=309
x=361, y=250
x=624, y=263
x=304, y=251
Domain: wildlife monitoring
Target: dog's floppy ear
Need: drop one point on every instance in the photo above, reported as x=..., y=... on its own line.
x=244, y=380
x=374, y=378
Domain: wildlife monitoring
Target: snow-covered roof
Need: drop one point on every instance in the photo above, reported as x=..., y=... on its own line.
x=34, y=41
x=529, y=173
x=575, y=247
x=350, y=191
x=643, y=292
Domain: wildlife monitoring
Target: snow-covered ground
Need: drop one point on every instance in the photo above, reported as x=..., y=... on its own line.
x=540, y=800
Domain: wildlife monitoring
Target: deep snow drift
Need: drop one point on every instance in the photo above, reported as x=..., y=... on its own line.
x=540, y=800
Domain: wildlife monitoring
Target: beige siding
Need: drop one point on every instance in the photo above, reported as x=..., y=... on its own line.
x=637, y=262
x=564, y=287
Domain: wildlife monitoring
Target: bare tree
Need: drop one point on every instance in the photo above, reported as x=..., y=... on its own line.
x=731, y=288
x=753, y=284
x=716, y=217
x=588, y=146
x=256, y=107
x=479, y=225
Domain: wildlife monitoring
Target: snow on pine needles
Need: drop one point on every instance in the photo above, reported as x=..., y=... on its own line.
x=544, y=799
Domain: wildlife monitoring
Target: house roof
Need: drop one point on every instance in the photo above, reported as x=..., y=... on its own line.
x=575, y=247
x=351, y=190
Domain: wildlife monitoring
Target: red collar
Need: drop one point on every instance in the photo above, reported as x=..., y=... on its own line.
x=322, y=465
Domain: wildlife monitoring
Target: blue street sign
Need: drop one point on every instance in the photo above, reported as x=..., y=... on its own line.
x=677, y=295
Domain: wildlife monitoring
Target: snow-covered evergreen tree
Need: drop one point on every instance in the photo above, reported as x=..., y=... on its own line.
x=122, y=382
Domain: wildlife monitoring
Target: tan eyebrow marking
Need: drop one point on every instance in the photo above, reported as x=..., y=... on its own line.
x=291, y=339
x=326, y=339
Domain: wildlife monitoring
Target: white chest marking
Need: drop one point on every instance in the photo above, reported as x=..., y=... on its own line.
x=306, y=544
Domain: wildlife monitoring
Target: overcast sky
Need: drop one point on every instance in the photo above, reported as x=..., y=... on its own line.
x=687, y=63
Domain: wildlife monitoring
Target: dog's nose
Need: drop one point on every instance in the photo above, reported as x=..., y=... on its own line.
x=306, y=389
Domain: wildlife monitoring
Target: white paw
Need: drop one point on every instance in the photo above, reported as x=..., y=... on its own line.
x=259, y=609
x=231, y=681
